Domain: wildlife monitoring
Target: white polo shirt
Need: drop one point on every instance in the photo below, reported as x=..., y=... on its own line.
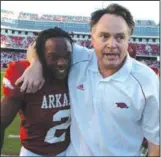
x=110, y=116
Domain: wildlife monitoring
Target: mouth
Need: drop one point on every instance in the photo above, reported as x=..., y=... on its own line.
x=61, y=71
x=111, y=56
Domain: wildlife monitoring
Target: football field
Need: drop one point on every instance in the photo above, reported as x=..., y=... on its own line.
x=11, y=144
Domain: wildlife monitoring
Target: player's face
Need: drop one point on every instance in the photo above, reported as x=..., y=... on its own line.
x=110, y=40
x=58, y=56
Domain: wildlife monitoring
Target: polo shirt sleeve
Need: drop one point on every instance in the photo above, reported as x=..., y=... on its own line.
x=80, y=53
x=150, y=119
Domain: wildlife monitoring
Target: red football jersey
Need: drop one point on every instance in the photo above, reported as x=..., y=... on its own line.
x=12, y=73
x=45, y=115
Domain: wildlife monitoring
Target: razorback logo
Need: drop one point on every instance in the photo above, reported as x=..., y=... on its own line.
x=81, y=87
x=122, y=105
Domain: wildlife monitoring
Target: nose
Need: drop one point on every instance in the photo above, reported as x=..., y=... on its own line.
x=61, y=62
x=111, y=43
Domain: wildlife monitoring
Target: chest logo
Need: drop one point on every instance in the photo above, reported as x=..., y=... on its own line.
x=81, y=87
x=121, y=105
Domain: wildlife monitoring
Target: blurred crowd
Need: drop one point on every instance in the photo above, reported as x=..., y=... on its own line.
x=7, y=57
x=22, y=42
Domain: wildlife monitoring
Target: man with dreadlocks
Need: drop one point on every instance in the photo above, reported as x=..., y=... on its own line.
x=45, y=115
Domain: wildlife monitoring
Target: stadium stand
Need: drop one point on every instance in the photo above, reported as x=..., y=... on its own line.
x=7, y=57
x=18, y=30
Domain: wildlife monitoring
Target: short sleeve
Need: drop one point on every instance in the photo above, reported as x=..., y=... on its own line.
x=12, y=73
x=80, y=53
x=150, y=121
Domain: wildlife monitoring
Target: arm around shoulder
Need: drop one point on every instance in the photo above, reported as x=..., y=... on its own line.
x=80, y=53
x=32, y=78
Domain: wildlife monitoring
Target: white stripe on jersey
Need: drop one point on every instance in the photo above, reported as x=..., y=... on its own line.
x=7, y=83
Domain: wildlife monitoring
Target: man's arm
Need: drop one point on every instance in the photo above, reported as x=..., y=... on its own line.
x=9, y=108
x=154, y=150
x=31, y=53
x=32, y=79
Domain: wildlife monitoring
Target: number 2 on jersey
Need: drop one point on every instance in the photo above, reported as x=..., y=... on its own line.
x=50, y=138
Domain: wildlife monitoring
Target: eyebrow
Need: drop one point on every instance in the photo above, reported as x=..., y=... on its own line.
x=51, y=52
x=104, y=33
x=55, y=53
x=121, y=33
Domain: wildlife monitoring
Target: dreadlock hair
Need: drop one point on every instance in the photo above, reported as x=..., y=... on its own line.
x=114, y=9
x=42, y=37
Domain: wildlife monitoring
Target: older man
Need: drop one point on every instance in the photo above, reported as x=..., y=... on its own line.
x=114, y=98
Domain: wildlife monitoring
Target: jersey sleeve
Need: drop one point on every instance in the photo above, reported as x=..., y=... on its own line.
x=12, y=73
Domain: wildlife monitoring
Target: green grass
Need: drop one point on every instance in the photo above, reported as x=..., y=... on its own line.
x=11, y=145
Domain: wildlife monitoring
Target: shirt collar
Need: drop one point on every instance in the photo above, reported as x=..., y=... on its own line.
x=120, y=75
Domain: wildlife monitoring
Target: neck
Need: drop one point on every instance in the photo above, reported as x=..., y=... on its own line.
x=57, y=82
x=105, y=71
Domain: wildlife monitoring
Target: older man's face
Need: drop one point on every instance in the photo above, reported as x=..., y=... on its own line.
x=110, y=40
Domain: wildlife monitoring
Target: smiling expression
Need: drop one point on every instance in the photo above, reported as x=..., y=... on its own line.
x=58, y=56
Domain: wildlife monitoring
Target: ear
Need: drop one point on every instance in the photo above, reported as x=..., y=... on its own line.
x=92, y=38
x=129, y=37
